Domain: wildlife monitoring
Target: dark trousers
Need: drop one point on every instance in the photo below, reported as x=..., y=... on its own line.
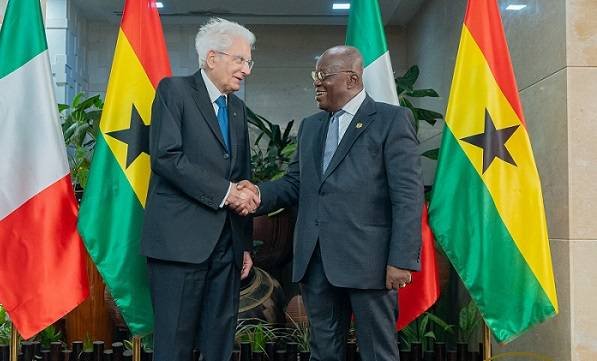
x=195, y=305
x=329, y=309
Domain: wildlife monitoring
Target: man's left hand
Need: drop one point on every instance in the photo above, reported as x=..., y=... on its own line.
x=247, y=264
x=397, y=277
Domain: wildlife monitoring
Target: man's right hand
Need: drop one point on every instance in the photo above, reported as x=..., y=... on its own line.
x=243, y=198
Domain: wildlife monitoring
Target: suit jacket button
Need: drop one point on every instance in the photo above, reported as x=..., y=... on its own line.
x=226, y=155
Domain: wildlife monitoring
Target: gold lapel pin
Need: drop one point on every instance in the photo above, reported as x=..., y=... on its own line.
x=359, y=125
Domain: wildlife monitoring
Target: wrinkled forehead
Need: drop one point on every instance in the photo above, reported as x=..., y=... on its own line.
x=328, y=63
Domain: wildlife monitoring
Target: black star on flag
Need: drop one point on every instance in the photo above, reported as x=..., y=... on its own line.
x=493, y=141
x=136, y=137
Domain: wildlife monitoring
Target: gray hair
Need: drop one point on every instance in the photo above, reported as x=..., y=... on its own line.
x=217, y=34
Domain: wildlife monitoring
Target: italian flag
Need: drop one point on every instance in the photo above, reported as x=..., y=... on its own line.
x=114, y=200
x=42, y=264
x=365, y=32
x=487, y=209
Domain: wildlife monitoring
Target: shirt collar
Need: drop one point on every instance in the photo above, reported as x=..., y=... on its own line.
x=212, y=90
x=354, y=104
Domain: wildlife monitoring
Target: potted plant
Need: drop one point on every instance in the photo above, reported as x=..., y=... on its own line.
x=80, y=125
x=270, y=154
x=258, y=333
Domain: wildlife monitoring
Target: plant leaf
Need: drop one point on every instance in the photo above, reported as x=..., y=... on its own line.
x=431, y=154
x=421, y=93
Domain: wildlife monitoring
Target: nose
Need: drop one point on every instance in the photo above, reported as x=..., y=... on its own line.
x=316, y=83
x=246, y=70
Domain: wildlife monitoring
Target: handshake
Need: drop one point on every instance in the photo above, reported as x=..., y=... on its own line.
x=243, y=198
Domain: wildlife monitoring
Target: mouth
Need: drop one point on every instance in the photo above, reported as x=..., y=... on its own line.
x=319, y=93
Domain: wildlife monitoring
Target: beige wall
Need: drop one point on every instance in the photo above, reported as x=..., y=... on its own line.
x=2, y=9
x=553, y=44
x=280, y=87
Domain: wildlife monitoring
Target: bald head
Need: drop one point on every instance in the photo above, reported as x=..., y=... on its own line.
x=341, y=68
x=343, y=57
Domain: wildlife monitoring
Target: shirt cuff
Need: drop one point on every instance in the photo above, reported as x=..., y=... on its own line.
x=226, y=196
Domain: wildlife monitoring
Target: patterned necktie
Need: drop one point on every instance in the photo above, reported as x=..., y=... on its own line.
x=331, y=141
x=223, y=119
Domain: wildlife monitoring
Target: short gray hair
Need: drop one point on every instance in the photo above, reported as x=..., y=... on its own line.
x=217, y=34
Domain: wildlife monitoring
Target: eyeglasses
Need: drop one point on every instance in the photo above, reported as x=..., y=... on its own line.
x=321, y=76
x=237, y=59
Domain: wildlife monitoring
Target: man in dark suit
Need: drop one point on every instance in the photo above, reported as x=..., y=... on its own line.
x=356, y=177
x=197, y=249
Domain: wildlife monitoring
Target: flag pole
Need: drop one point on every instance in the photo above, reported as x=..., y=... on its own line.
x=136, y=348
x=14, y=343
x=486, y=342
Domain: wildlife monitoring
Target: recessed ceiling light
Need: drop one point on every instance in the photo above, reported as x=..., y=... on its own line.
x=341, y=6
x=515, y=7
x=159, y=4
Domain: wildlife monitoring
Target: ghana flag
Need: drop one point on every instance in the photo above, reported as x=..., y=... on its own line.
x=112, y=210
x=487, y=209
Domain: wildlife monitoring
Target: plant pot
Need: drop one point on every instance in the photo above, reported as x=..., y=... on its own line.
x=261, y=296
x=275, y=235
x=304, y=355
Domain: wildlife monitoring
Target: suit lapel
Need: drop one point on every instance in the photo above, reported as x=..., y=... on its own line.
x=324, y=123
x=357, y=126
x=206, y=108
x=236, y=127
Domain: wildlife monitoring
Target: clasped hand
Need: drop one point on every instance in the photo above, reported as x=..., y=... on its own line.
x=243, y=198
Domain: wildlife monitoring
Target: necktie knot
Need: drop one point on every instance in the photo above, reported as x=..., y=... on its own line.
x=221, y=101
x=337, y=115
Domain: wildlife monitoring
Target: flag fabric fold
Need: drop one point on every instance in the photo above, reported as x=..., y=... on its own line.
x=424, y=290
x=365, y=32
x=487, y=209
x=113, y=205
x=42, y=263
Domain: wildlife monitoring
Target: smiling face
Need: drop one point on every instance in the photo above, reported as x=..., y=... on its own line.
x=227, y=69
x=341, y=80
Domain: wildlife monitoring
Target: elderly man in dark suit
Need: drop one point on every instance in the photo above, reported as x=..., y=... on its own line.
x=356, y=177
x=197, y=249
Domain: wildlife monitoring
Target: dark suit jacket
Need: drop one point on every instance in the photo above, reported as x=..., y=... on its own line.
x=365, y=210
x=191, y=170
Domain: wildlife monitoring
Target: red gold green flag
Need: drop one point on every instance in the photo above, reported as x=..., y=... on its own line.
x=487, y=209
x=112, y=210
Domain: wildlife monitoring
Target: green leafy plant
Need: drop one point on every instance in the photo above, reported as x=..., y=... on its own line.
x=257, y=332
x=48, y=335
x=405, y=88
x=80, y=126
x=469, y=321
x=271, y=162
x=299, y=333
x=5, y=327
x=421, y=330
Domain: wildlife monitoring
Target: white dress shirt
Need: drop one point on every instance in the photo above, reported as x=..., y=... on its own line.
x=214, y=93
x=350, y=109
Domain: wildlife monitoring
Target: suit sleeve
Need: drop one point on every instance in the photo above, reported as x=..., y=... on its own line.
x=283, y=192
x=403, y=169
x=166, y=148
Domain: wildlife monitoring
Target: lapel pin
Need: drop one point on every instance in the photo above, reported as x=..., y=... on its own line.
x=359, y=125
x=234, y=114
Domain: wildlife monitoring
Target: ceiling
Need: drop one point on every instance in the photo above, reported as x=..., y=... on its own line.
x=288, y=12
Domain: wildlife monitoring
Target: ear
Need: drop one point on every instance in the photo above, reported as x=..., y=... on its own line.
x=210, y=59
x=352, y=81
